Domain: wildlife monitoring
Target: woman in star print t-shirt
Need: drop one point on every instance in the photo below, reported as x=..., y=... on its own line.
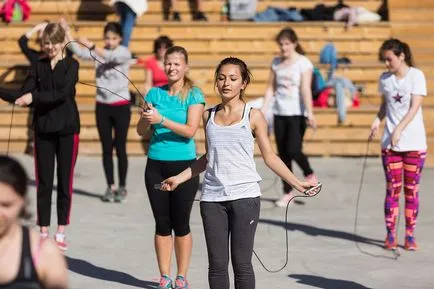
x=403, y=144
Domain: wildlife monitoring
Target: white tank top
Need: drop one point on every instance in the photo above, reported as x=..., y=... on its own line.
x=231, y=170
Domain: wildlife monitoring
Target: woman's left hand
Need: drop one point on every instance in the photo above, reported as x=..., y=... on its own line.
x=396, y=136
x=311, y=121
x=24, y=100
x=153, y=117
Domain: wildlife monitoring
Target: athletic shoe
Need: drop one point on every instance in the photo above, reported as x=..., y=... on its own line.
x=165, y=282
x=283, y=201
x=60, y=241
x=43, y=236
x=109, y=195
x=176, y=16
x=410, y=243
x=390, y=242
x=199, y=16
x=311, y=178
x=181, y=283
x=121, y=195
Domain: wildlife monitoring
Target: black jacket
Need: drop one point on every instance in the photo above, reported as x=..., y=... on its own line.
x=53, y=92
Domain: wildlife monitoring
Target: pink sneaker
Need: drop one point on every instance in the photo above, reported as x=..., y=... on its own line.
x=311, y=178
x=60, y=241
x=283, y=201
x=43, y=235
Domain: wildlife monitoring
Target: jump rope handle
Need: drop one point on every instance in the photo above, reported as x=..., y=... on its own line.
x=144, y=105
x=313, y=191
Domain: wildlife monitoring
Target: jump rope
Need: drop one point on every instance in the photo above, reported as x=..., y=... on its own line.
x=311, y=192
x=306, y=194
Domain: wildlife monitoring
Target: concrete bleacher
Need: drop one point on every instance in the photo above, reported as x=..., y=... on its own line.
x=208, y=43
x=100, y=10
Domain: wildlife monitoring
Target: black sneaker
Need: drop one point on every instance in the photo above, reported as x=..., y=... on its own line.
x=199, y=16
x=176, y=16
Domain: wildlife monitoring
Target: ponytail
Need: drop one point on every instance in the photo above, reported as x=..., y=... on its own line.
x=408, y=55
x=299, y=49
x=186, y=87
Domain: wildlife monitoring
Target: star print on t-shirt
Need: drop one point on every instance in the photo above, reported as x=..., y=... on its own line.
x=397, y=98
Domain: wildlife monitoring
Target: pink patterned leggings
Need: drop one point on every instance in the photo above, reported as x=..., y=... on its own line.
x=394, y=164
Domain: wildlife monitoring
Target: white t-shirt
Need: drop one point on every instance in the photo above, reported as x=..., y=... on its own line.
x=288, y=100
x=398, y=93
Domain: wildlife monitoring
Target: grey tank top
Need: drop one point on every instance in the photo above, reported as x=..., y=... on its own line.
x=231, y=170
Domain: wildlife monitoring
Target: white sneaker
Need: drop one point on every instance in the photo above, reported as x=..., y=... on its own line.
x=43, y=236
x=60, y=241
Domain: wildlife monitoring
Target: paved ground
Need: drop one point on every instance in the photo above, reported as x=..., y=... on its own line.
x=111, y=245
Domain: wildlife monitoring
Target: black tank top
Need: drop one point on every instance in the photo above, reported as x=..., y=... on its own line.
x=27, y=277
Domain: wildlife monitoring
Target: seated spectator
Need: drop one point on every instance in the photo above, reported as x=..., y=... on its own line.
x=173, y=6
x=342, y=86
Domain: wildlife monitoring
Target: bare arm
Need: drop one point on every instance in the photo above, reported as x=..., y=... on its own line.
x=306, y=92
x=375, y=126
x=259, y=126
x=382, y=112
x=416, y=102
x=269, y=91
x=189, y=129
x=52, y=268
x=142, y=127
x=143, y=124
x=186, y=130
x=195, y=169
x=148, y=81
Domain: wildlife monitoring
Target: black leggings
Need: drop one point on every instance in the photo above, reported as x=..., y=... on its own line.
x=289, y=132
x=118, y=118
x=235, y=221
x=52, y=151
x=171, y=209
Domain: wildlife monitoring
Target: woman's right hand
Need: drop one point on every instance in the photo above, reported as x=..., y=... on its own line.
x=144, y=113
x=375, y=127
x=170, y=184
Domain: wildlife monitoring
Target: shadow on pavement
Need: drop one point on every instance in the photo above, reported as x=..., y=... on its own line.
x=326, y=283
x=87, y=269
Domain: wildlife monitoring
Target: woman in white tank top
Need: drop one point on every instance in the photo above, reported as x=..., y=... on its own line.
x=230, y=197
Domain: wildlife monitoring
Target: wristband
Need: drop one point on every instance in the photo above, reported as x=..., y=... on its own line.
x=162, y=120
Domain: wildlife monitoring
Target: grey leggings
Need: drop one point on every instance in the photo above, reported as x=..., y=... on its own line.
x=235, y=221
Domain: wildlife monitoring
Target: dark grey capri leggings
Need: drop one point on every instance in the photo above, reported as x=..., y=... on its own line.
x=234, y=222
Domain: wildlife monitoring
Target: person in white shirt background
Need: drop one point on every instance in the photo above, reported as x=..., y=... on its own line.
x=403, y=144
x=290, y=86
